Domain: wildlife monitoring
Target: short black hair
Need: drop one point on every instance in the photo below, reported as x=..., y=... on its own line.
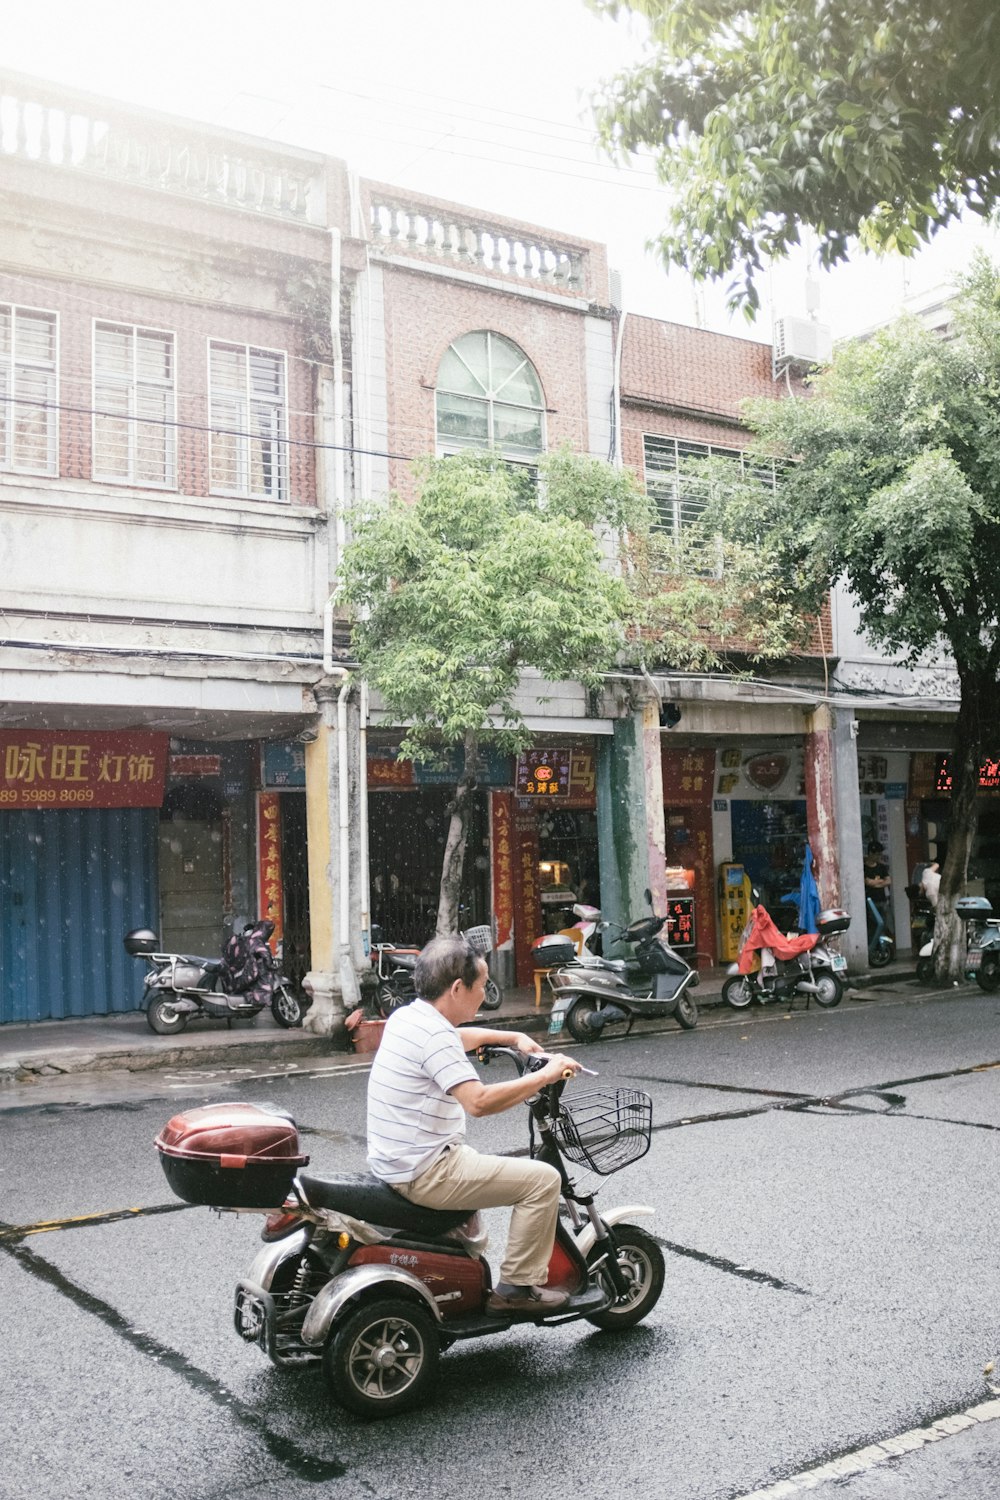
x=441, y=962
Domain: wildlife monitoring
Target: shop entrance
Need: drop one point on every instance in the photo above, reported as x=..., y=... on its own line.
x=769, y=840
x=406, y=838
x=191, y=894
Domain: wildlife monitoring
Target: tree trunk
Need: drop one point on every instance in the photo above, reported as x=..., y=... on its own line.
x=453, y=864
x=964, y=763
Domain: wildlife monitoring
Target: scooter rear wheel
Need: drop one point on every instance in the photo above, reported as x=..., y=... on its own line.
x=829, y=990
x=383, y=1358
x=640, y=1260
x=162, y=1018
x=578, y=1021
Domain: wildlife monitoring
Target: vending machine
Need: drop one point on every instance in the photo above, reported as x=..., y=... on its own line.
x=734, y=909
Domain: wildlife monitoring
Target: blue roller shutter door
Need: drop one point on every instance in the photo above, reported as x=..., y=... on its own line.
x=71, y=884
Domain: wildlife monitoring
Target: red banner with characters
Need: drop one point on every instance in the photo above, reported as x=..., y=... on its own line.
x=502, y=815
x=53, y=768
x=272, y=903
x=527, y=894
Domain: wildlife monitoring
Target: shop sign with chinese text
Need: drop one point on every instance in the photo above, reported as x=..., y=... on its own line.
x=49, y=768
x=543, y=773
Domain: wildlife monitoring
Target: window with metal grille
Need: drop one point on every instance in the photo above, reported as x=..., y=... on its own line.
x=135, y=436
x=489, y=396
x=28, y=426
x=679, y=495
x=249, y=421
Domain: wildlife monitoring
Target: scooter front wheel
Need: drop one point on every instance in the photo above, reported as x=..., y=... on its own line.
x=285, y=1008
x=737, y=991
x=162, y=1018
x=881, y=953
x=640, y=1261
x=987, y=975
x=493, y=997
x=686, y=1014
x=383, y=1358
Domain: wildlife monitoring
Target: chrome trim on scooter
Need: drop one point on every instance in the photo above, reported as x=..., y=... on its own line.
x=587, y=1239
x=331, y=1299
x=270, y=1257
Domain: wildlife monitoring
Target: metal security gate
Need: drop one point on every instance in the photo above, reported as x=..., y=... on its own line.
x=72, y=882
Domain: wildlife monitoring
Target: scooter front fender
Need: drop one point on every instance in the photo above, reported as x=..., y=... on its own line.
x=331, y=1300
x=587, y=1238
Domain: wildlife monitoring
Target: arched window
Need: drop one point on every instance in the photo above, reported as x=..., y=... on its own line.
x=489, y=396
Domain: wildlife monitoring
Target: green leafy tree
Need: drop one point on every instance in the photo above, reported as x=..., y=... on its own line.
x=893, y=484
x=486, y=574
x=874, y=119
x=478, y=578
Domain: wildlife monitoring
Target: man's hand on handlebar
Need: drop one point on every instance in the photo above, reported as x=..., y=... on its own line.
x=524, y=1043
x=557, y=1068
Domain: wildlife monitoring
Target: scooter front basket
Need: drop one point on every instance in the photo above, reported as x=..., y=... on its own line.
x=605, y=1129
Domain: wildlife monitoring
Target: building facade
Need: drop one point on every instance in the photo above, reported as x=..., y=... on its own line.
x=210, y=347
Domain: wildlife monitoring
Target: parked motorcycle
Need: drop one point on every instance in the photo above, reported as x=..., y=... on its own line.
x=355, y=1276
x=773, y=965
x=236, y=986
x=394, y=967
x=982, y=945
x=594, y=993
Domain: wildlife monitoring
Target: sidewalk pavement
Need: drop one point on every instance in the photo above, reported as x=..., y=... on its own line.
x=124, y=1043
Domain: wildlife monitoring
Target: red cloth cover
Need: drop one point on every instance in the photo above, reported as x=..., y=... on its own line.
x=764, y=934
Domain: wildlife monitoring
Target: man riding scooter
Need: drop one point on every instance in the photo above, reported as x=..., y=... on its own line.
x=422, y=1087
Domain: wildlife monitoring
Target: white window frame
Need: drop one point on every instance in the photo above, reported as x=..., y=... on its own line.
x=242, y=432
x=673, y=506
x=10, y=401
x=132, y=416
x=448, y=447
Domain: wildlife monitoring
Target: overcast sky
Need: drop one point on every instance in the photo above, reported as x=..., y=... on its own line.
x=482, y=103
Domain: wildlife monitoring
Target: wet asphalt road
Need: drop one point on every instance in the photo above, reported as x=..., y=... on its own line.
x=825, y=1188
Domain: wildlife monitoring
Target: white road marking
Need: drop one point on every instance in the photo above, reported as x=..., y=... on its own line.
x=874, y=1454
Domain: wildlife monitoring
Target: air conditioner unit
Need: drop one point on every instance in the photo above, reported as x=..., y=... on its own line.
x=800, y=342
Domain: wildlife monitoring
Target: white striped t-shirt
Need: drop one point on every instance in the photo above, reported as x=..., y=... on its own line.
x=411, y=1115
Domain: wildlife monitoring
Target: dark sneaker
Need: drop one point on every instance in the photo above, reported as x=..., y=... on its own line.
x=525, y=1302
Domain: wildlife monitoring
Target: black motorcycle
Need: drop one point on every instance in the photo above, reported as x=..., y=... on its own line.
x=236, y=986
x=394, y=971
x=593, y=994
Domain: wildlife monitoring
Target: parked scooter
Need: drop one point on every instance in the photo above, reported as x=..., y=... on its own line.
x=881, y=943
x=394, y=967
x=375, y=1287
x=594, y=993
x=773, y=965
x=236, y=986
x=982, y=945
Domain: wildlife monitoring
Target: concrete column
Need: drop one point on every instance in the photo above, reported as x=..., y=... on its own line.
x=834, y=817
x=337, y=956
x=630, y=827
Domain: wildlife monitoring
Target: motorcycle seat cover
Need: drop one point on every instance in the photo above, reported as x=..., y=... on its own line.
x=364, y=1197
x=210, y=965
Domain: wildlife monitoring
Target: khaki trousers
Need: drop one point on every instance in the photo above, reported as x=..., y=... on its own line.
x=462, y=1178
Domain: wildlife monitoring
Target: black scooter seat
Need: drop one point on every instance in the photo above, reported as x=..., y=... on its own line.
x=364, y=1197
